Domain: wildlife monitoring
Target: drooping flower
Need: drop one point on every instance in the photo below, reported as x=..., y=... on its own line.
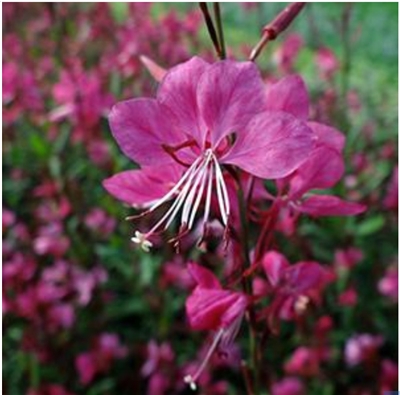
x=203, y=117
x=210, y=307
x=293, y=286
x=323, y=167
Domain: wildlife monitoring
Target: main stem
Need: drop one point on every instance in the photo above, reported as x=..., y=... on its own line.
x=246, y=283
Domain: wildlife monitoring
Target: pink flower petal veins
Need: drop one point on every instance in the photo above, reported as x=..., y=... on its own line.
x=289, y=95
x=229, y=94
x=273, y=146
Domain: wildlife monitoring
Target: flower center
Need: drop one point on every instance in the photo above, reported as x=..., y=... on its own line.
x=196, y=182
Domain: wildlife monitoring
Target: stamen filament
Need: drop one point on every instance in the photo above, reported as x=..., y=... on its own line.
x=191, y=380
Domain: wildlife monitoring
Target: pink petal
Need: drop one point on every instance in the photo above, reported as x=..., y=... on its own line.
x=229, y=94
x=327, y=205
x=273, y=145
x=274, y=265
x=213, y=309
x=328, y=136
x=154, y=69
x=203, y=277
x=140, y=127
x=178, y=93
x=289, y=95
x=304, y=276
x=322, y=170
x=140, y=187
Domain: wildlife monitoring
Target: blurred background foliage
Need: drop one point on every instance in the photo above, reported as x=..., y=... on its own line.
x=45, y=165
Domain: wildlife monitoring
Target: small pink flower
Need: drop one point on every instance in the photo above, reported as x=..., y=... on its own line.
x=304, y=362
x=210, y=307
x=200, y=108
x=389, y=284
x=293, y=286
x=288, y=386
x=348, y=297
x=362, y=348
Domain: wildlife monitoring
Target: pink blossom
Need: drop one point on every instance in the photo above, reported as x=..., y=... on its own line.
x=287, y=53
x=190, y=124
x=210, y=307
x=391, y=200
x=362, y=348
x=348, y=297
x=288, y=386
x=98, y=221
x=389, y=284
x=323, y=168
x=293, y=286
x=99, y=360
x=327, y=62
x=304, y=362
x=348, y=258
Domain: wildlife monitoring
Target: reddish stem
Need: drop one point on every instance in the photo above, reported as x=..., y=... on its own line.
x=277, y=26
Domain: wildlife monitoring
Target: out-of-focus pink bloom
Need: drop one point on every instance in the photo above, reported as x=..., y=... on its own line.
x=288, y=386
x=391, y=200
x=189, y=124
x=210, y=307
x=327, y=62
x=348, y=297
x=157, y=355
x=293, y=286
x=98, y=221
x=8, y=218
x=174, y=273
x=389, y=284
x=388, y=377
x=304, y=362
x=100, y=358
x=84, y=283
x=61, y=316
x=362, y=348
x=99, y=152
x=286, y=55
x=348, y=258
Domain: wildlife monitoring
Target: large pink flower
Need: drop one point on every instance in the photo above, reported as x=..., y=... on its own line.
x=204, y=116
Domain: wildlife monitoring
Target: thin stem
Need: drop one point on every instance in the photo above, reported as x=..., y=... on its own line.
x=246, y=284
x=220, y=30
x=277, y=26
x=210, y=27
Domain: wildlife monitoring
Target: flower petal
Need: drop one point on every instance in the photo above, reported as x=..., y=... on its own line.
x=304, y=276
x=322, y=170
x=328, y=136
x=289, y=95
x=203, y=277
x=228, y=96
x=274, y=265
x=327, y=205
x=178, y=93
x=141, y=187
x=140, y=127
x=273, y=145
x=213, y=309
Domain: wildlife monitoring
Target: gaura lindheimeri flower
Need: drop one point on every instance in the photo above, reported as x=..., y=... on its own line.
x=210, y=307
x=203, y=117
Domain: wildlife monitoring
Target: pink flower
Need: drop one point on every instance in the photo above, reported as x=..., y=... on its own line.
x=304, y=362
x=324, y=166
x=199, y=110
x=293, y=286
x=210, y=307
x=389, y=284
x=288, y=386
x=362, y=348
x=327, y=62
x=348, y=297
x=391, y=200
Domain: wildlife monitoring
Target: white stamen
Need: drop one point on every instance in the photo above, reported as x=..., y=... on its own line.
x=177, y=185
x=141, y=239
x=188, y=193
x=191, y=380
x=208, y=196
